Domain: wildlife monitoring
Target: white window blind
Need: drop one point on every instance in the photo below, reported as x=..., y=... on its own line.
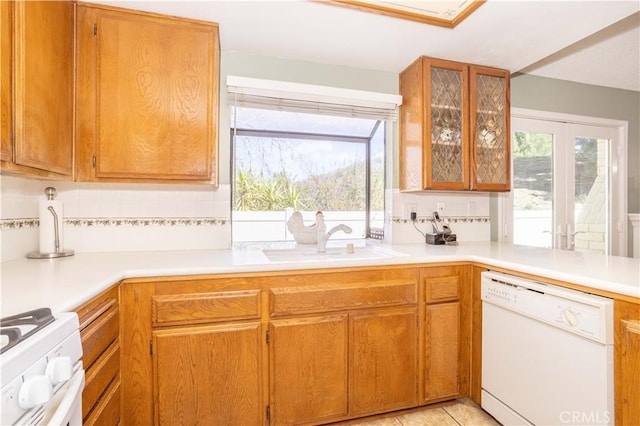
x=298, y=97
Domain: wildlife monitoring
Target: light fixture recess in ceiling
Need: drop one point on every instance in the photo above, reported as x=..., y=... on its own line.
x=444, y=13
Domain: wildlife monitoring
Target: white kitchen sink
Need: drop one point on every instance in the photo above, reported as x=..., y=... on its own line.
x=310, y=254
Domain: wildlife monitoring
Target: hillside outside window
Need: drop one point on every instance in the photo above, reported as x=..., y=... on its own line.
x=284, y=161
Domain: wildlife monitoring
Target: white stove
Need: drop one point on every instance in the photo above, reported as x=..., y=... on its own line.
x=41, y=372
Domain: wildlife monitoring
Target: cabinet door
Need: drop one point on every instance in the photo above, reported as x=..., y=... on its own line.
x=208, y=375
x=490, y=130
x=156, y=89
x=383, y=360
x=630, y=365
x=627, y=362
x=442, y=350
x=6, y=145
x=447, y=125
x=308, y=369
x=43, y=77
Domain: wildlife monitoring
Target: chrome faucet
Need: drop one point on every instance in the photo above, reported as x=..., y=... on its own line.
x=324, y=237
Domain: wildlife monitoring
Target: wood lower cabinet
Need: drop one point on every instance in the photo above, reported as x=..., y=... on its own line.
x=447, y=332
x=208, y=375
x=303, y=347
x=442, y=350
x=100, y=335
x=37, y=88
x=193, y=352
x=350, y=365
x=627, y=362
x=359, y=357
x=383, y=355
x=308, y=369
x=147, y=96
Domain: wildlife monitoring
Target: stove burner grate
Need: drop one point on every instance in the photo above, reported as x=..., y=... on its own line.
x=10, y=326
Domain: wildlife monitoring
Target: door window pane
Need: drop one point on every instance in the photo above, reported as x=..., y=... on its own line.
x=592, y=195
x=533, y=189
x=569, y=186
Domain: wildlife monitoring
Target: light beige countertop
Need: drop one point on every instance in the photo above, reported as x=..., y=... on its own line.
x=64, y=284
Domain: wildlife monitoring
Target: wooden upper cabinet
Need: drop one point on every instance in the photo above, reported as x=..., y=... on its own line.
x=6, y=143
x=434, y=150
x=147, y=97
x=490, y=129
x=454, y=127
x=37, y=87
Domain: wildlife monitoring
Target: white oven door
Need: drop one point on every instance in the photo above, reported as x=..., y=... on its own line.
x=66, y=406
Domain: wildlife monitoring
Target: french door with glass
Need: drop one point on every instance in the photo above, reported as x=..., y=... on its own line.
x=566, y=186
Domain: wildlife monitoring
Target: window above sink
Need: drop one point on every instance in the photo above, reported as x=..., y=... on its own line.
x=290, y=161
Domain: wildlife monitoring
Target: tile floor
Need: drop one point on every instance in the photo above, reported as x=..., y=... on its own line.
x=462, y=412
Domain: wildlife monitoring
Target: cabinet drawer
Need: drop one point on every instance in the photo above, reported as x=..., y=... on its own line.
x=339, y=296
x=97, y=307
x=98, y=377
x=442, y=289
x=107, y=412
x=98, y=335
x=205, y=307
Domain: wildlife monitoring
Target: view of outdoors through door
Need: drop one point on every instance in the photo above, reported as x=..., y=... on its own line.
x=592, y=195
x=532, y=188
x=562, y=194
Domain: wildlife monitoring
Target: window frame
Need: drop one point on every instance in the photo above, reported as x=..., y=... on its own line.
x=370, y=232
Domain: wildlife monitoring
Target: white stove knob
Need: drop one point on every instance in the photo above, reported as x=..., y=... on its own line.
x=59, y=369
x=36, y=390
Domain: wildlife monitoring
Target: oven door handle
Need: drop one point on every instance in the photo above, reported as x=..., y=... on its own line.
x=71, y=400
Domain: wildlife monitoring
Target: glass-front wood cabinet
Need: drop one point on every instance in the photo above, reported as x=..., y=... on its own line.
x=490, y=130
x=454, y=127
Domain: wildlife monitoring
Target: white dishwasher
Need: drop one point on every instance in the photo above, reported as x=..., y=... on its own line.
x=547, y=353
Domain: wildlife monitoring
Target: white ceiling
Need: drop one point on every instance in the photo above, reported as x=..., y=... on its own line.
x=542, y=37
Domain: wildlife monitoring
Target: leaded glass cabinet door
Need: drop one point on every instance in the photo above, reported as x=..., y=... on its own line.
x=490, y=134
x=447, y=130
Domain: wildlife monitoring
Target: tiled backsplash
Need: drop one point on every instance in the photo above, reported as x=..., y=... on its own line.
x=467, y=213
x=117, y=217
x=121, y=217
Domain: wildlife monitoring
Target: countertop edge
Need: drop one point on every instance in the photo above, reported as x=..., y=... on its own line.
x=66, y=284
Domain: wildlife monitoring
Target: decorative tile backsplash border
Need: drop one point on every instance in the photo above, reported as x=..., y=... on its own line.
x=119, y=221
x=19, y=223
x=450, y=219
x=189, y=221
x=147, y=221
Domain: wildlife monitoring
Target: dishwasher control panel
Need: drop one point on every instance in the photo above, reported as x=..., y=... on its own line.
x=581, y=313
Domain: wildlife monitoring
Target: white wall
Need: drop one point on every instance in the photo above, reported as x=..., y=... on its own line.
x=108, y=217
